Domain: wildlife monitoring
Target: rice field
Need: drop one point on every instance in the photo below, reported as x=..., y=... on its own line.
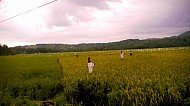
x=27, y=79
x=148, y=77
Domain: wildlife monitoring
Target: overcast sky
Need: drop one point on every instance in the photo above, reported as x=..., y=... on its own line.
x=91, y=21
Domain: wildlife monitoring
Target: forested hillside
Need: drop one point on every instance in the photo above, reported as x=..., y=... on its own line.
x=175, y=41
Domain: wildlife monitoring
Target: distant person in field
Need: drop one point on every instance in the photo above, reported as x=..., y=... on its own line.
x=122, y=55
x=130, y=53
x=90, y=65
x=76, y=55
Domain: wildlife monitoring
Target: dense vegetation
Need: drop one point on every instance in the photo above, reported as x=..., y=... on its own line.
x=28, y=79
x=5, y=50
x=182, y=40
x=149, y=77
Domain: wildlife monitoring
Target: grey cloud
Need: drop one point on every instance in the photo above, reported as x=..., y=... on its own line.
x=92, y=3
x=137, y=19
x=77, y=8
x=162, y=14
x=174, y=13
x=56, y=19
x=152, y=19
x=99, y=4
x=57, y=14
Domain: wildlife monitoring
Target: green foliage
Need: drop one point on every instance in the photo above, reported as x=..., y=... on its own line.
x=186, y=102
x=182, y=40
x=28, y=78
x=4, y=50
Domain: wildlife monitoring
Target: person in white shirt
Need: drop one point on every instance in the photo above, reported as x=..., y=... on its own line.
x=76, y=55
x=122, y=55
x=90, y=65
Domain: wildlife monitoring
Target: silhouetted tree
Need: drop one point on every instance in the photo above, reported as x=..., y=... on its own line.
x=4, y=50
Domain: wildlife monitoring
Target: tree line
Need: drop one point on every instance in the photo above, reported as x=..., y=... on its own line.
x=182, y=40
x=5, y=50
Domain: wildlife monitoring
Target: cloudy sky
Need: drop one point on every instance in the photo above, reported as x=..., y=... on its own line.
x=90, y=21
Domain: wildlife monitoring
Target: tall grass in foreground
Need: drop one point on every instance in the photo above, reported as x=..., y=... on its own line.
x=149, y=77
x=28, y=78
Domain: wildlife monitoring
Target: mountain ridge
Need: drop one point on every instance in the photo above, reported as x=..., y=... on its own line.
x=173, y=41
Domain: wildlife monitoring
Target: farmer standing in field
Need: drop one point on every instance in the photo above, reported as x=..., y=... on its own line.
x=90, y=65
x=76, y=55
x=122, y=55
x=130, y=53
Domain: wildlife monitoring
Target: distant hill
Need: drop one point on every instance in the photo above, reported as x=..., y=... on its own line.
x=174, y=41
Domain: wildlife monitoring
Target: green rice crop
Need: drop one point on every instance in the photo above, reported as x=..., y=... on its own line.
x=28, y=78
x=149, y=77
